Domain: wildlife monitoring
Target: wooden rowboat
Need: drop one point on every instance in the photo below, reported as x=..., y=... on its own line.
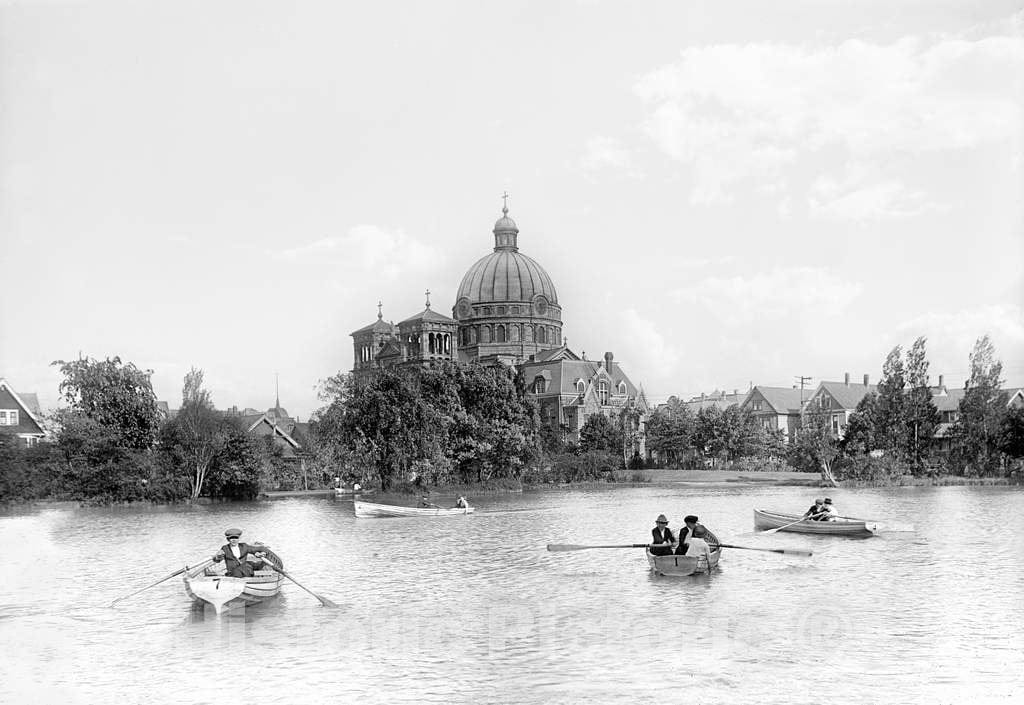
x=686, y=565
x=366, y=510
x=207, y=584
x=857, y=528
x=348, y=492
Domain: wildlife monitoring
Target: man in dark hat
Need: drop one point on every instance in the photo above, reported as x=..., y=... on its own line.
x=828, y=512
x=236, y=556
x=662, y=536
x=816, y=509
x=690, y=522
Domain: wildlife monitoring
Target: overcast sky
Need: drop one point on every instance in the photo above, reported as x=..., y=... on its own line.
x=723, y=193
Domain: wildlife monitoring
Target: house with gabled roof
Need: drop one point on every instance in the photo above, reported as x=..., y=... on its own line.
x=20, y=415
x=721, y=400
x=569, y=389
x=776, y=408
x=838, y=400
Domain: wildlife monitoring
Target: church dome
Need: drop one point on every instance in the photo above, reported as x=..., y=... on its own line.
x=507, y=274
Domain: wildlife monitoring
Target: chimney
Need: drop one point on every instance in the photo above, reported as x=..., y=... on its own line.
x=735, y=392
x=941, y=380
x=702, y=396
x=608, y=357
x=865, y=380
x=846, y=379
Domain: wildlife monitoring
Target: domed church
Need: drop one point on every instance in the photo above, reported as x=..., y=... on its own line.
x=507, y=312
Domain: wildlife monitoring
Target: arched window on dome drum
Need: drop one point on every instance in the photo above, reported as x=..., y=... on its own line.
x=528, y=334
x=499, y=334
x=602, y=392
x=485, y=334
x=558, y=336
x=473, y=335
x=513, y=331
x=542, y=334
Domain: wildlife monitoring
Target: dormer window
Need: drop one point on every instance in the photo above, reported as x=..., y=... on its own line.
x=540, y=385
x=581, y=386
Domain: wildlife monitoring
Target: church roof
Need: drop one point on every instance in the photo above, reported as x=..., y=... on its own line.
x=429, y=314
x=378, y=326
x=506, y=276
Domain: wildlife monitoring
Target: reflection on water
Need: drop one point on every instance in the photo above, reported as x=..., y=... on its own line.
x=473, y=609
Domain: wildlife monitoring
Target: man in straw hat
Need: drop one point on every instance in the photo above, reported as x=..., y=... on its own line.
x=241, y=560
x=662, y=536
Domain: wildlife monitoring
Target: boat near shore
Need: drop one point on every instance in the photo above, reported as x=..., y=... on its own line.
x=207, y=584
x=855, y=528
x=368, y=510
x=679, y=566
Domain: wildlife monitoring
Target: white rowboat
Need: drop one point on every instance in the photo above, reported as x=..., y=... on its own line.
x=366, y=510
x=207, y=584
x=857, y=528
x=686, y=565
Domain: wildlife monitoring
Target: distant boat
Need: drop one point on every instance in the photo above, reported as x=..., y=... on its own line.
x=365, y=510
x=348, y=491
x=207, y=584
x=857, y=528
x=686, y=565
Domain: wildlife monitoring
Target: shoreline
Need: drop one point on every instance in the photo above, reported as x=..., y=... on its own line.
x=624, y=478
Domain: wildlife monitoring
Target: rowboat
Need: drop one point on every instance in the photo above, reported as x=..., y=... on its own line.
x=207, y=585
x=348, y=491
x=857, y=528
x=686, y=565
x=366, y=510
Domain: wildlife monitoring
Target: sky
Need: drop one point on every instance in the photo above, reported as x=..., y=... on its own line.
x=724, y=193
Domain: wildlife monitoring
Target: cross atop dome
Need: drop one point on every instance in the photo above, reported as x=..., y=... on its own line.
x=380, y=305
x=428, y=298
x=504, y=203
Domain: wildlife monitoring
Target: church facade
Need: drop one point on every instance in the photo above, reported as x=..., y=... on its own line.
x=507, y=312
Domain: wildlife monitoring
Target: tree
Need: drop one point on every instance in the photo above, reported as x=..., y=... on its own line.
x=116, y=396
x=814, y=448
x=709, y=435
x=920, y=412
x=860, y=435
x=670, y=430
x=981, y=411
x=1011, y=435
x=600, y=433
x=197, y=433
x=891, y=407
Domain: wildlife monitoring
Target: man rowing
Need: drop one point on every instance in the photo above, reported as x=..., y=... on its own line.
x=817, y=508
x=241, y=560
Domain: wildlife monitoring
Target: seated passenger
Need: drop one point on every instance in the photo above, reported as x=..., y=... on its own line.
x=829, y=512
x=697, y=546
x=461, y=503
x=662, y=537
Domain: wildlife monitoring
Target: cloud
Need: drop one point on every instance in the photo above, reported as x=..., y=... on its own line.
x=883, y=200
x=783, y=293
x=951, y=337
x=746, y=113
x=370, y=248
x=608, y=153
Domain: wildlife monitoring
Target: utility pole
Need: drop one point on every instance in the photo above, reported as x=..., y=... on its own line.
x=802, y=380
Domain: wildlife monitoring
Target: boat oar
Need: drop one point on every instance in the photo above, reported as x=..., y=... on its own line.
x=578, y=547
x=787, y=551
x=323, y=600
x=780, y=528
x=161, y=580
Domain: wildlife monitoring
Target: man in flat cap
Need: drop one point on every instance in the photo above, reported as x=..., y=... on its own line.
x=236, y=556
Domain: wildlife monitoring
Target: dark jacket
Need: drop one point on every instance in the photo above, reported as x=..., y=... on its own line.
x=668, y=537
x=239, y=567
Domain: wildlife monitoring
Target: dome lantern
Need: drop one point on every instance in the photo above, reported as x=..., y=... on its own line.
x=505, y=230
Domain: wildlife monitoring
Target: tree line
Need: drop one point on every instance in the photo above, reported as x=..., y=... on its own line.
x=894, y=430
x=111, y=444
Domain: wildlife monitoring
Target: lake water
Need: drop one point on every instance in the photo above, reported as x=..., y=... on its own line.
x=473, y=609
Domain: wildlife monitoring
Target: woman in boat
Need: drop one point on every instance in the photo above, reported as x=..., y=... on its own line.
x=689, y=526
x=697, y=546
x=662, y=537
x=236, y=556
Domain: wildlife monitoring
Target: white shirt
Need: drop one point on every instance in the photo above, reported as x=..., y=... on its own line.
x=237, y=551
x=696, y=546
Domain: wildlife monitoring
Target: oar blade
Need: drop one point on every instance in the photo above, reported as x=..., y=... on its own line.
x=558, y=547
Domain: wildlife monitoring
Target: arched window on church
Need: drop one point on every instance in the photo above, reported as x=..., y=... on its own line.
x=602, y=392
x=513, y=333
x=499, y=334
x=542, y=334
x=528, y=334
x=485, y=334
x=474, y=335
x=539, y=385
x=558, y=336
x=622, y=387
x=447, y=343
